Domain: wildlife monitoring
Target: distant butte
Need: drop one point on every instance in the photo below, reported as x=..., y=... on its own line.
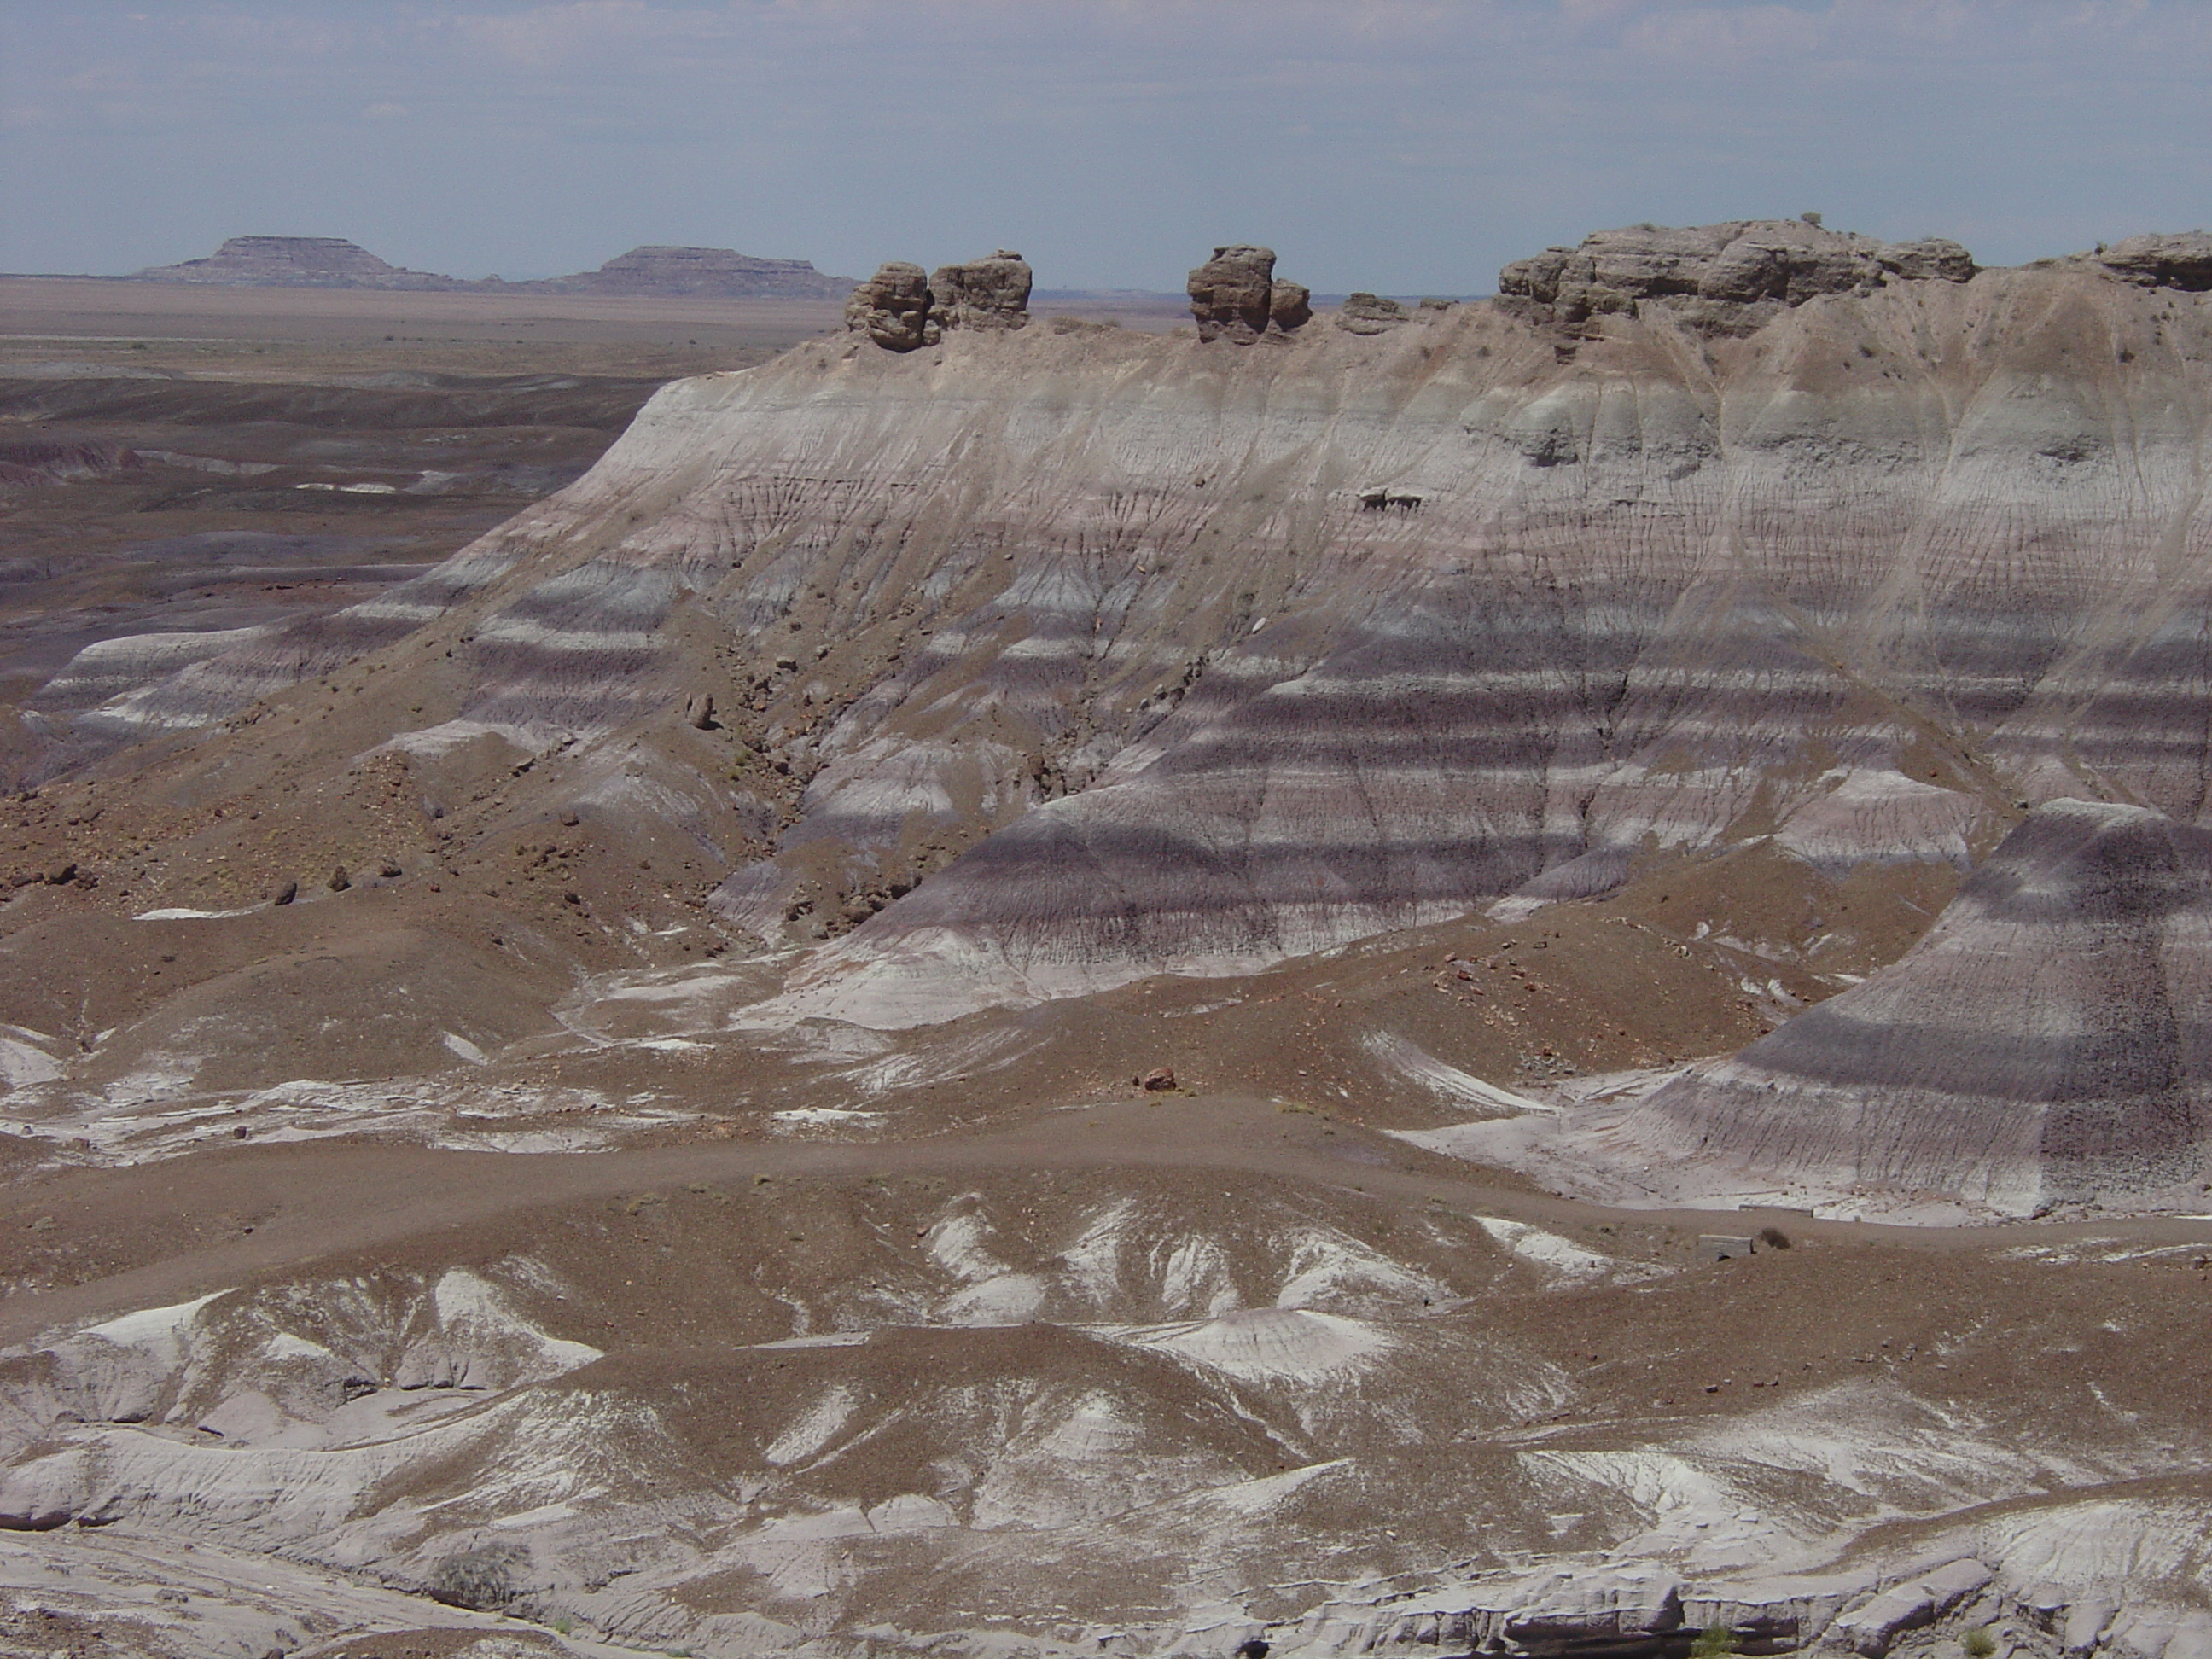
x=297, y=262
x=334, y=262
x=718, y=272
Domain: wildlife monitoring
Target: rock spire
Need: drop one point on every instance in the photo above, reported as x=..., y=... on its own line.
x=1236, y=296
x=893, y=307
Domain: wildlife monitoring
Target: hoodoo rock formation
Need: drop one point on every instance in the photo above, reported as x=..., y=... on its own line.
x=901, y=309
x=1726, y=278
x=2049, y=1042
x=988, y=293
x=1230, y=294
x=1236, y=296
x=893, y=307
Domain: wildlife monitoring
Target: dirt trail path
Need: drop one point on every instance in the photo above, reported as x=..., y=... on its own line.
x=305, y=1201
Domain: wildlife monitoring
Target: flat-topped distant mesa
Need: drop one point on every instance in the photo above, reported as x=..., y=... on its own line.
x=710, y=271
x=297, y=262
x=334, y=262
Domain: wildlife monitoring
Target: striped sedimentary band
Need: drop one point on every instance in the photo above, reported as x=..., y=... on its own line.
x=2050, y=1041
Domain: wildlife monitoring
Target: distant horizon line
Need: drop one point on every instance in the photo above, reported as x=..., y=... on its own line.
x=1166, y=296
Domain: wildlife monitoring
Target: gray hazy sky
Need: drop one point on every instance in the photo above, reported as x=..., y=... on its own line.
x=1390, y=144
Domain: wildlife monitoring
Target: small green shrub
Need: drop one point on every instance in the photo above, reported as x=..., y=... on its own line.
x=1714, y=1642
x=1979, y=1643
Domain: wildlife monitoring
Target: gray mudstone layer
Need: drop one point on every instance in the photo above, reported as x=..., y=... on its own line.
x=2047, y=1043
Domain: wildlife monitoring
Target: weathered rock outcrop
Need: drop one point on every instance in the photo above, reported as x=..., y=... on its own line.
x=894, y=307
x=1371, y=313
x=2048, y=1043
x=1232, y=293
x=1289, y=306
x=1725, y=278
x=2182, y=260
x=989, y=292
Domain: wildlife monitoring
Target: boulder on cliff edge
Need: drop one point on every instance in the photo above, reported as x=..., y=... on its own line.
x=893, y=307
x=2182, y=260
x=1721, y=279
x=989, y=292
x=1371, y=313
x=1290, y=305
x=1231, y=292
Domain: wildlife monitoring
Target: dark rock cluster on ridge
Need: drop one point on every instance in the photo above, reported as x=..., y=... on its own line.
x=2181, y=259
x=1723, y=279
x=901, y=307
x=987, y=292
x=1236, y=296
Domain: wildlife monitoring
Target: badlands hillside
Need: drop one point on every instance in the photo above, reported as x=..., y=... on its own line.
x=1017, y=987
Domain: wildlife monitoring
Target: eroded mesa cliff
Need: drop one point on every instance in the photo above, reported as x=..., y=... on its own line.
x=1201, y=657
x=801, y=813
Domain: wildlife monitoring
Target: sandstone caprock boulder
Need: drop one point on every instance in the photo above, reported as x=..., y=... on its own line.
x=2182, y=260
x=1371, y=313
x=1236, y=296
x=988, y=293
x=1231, y=292
x=893, y=307
x=1723, y=279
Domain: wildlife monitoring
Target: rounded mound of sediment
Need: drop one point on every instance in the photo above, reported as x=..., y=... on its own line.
x=2046, y=1043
